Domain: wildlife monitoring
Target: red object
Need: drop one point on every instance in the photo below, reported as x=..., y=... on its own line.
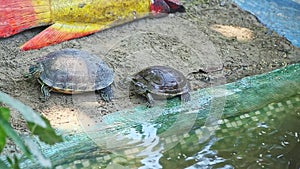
x=166, y=6
x=16, y=16
x=67, y=20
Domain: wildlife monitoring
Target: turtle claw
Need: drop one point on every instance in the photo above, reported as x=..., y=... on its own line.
x=150, y=100
x=46, y=93
x=43, y=98
x=106, y=94
x=185, y=97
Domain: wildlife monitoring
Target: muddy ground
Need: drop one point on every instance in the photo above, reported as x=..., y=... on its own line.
x=188, y=42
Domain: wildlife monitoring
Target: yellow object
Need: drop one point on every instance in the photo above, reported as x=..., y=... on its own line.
x=77, y=18
x=71, y=19
x=102, y=12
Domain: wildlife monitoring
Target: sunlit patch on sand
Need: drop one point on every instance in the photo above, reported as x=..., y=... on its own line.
x=63, y=119
x=240, y=33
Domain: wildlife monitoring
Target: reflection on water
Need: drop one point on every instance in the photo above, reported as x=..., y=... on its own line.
x=268, y=139
x=150, y=141
x=250, y=134
x=265, y=138
x=207, y=157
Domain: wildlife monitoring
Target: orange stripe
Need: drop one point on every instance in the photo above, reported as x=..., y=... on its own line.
x=54, y=35
x=15, y=16
x=74, y=19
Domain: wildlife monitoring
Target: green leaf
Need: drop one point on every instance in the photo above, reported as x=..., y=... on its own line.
x=27, y=112
x=4, y=114
x=13, y=135
x=2, y=138
x=14, y=164
x=47, y=134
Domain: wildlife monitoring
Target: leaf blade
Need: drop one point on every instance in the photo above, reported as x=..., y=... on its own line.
x=14, y=136
x=4, y=114
x=26, y=111
x=47, y=134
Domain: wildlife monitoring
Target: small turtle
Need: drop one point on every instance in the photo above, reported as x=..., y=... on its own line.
x=73, y=71
x=161, y=82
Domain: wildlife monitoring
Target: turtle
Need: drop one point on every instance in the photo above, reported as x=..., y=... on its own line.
x=73, y=71
x=160, y=82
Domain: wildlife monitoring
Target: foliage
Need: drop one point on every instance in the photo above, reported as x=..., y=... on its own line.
x=38, y=125
x=46, y=134
x=4, y=117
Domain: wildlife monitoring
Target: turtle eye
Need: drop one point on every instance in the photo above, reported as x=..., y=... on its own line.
x=141, y=85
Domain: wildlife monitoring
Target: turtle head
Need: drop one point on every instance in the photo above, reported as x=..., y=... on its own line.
x=165, y=7
x=139, y=87
x=34, y=71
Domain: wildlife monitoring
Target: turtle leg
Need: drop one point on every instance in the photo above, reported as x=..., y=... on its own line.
x=106, y=94
x=46, y=92
x=150, y=100
x=185, y=97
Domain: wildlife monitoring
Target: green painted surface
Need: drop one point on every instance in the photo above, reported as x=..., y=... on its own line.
x=254, y=120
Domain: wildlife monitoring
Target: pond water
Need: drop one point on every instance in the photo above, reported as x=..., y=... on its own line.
x=264, y=138
x=259, y=128
x=266, y=134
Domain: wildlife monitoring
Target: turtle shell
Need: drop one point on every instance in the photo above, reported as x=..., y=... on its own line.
x=74, y=71
x=162, y=81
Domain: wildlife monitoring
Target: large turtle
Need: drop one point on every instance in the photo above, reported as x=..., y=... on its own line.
x=73, y=71
x=160, y=82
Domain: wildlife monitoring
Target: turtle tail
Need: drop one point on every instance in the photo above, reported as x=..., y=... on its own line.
x=19, y=15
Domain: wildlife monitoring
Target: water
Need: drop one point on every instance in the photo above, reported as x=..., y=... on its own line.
x=259, y=128
x=268, y=138
x=264, y=138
